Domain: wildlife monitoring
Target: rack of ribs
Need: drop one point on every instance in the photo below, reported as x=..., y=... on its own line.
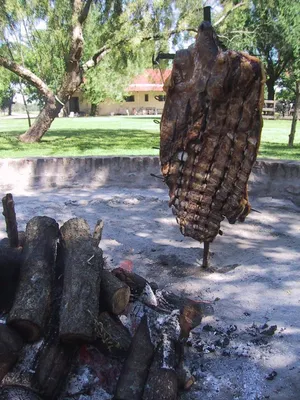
x=210, y=134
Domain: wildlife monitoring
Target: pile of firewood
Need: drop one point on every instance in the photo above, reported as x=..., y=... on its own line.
x=54, y=288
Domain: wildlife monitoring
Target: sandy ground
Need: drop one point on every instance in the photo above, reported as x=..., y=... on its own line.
x=256, y=283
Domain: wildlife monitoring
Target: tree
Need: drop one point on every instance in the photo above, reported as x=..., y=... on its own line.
x=291, y=13
x=7, y=91
x=261, y=29
x=52, y=59
x=54, y=45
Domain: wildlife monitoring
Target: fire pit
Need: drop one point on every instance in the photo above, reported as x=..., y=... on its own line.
x=250, y=287
x=92, y=330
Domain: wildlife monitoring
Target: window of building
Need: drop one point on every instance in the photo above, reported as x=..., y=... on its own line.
x=146, y=97
x=160, y=97
x=129, y=99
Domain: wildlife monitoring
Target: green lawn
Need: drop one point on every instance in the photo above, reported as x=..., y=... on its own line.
x=102, y=136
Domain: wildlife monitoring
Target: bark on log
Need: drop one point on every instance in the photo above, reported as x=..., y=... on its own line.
x=114, y=294
x=52, y=366
x=162, y=379
x=83, y=263
x=14, y=392
x=10, y=219
x=113, y=338
x=32, y=302
x=97, y=235
x=136, y=282
x=11, y=344
x=135, y=370
x=54, y=359
x=10, y=262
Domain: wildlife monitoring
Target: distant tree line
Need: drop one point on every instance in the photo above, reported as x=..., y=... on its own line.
x=50, y=49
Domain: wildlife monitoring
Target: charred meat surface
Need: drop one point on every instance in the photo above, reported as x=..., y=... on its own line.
x=210, y=134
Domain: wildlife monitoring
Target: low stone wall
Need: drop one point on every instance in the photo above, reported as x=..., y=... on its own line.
x=279, y=179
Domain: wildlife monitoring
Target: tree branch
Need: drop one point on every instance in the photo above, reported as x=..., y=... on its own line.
x=228, y=13
x=84, y=12
x=26, y=74
x=168, y=34
x=280, y=68
x=96, y=58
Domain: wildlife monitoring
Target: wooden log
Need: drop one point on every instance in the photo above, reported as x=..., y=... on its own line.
x=114, y=294
x=52, y=366
x=113, y=338
x=162, y=379
x=10, y=263
x=97, y=235
x=136, y=282
x=54, y=359
x=11, y=344
x=10, y=219
x=32, y=302
x=191, y=311
x=83, y=263
x=135, y=370
x=6, y=243
x=184, y=376
x=14, y=392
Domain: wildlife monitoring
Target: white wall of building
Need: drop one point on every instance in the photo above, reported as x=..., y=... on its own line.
x=138, y=106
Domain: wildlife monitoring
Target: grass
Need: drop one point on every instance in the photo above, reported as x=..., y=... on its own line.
x=103, y=136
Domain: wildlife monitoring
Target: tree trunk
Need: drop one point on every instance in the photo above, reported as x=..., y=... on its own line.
x=42, y=122
x=25, y=103
x=295, y=115
x=271, y=91
x=11, y=103
x=93, y=110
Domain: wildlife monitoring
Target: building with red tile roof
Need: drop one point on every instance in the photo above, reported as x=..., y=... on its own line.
x=145, y=95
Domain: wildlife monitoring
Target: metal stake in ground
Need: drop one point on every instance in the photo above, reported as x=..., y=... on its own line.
x=205, y=259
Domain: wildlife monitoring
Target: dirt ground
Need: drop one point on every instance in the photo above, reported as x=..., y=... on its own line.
x=250, y=348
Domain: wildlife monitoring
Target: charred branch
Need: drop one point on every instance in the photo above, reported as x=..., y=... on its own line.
x=10, y=346
x=135, y=370
x=15, y=392
x=52, y=366
x=10, y=219
x=162, y=379
x=10, y=263
x=113, y=338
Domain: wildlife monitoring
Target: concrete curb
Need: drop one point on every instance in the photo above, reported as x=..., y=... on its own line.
x=272, y=178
